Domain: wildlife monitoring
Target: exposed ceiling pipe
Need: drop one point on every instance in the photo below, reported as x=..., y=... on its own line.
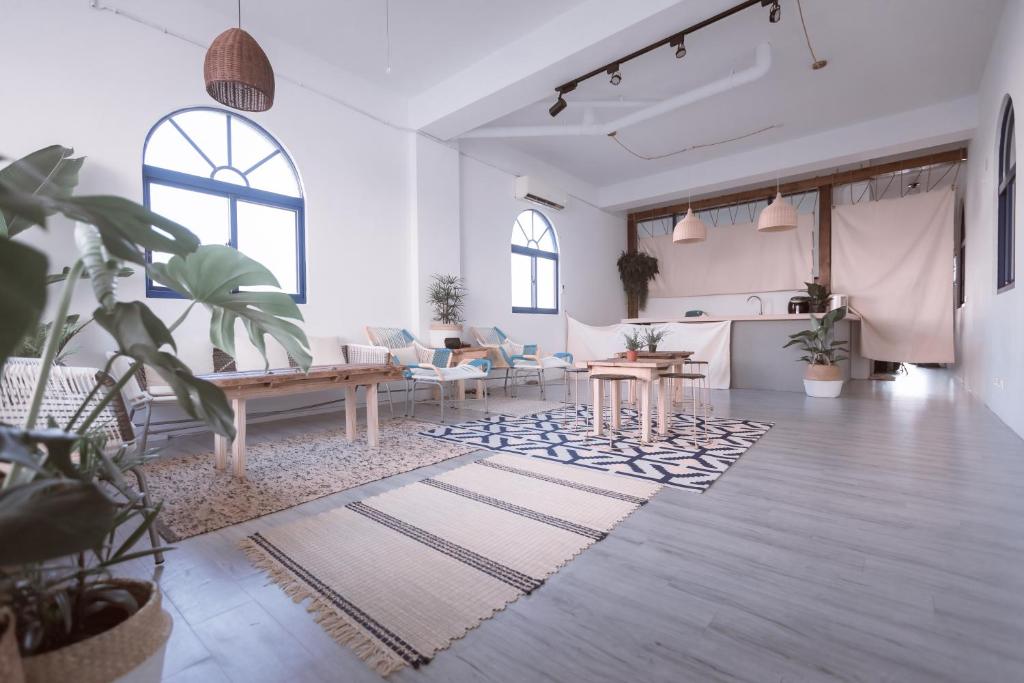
x=761, y=66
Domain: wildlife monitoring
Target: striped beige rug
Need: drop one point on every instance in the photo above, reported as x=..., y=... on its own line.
x=399, y=576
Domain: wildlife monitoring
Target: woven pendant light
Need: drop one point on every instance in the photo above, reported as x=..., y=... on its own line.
x=237, y=71
x=690, y=229
x=778, y=216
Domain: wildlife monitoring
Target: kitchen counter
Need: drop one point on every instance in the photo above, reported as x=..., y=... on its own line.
x=731, y=318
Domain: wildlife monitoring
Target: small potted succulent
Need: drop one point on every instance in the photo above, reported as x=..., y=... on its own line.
x=634, y=342
x=447, y=296
x=653, y=337
x=823, y=377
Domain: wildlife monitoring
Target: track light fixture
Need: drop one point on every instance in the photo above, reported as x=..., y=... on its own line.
x=676, y=40
x=560, y=104
x=680, y=45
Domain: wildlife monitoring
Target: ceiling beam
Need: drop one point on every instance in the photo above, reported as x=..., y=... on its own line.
x=798, y=186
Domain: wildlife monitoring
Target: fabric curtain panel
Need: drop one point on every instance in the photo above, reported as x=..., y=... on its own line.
x=709, y=342
x=893, y=258
x=734, y=259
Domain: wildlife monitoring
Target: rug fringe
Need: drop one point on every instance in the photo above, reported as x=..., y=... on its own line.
x=338, y=625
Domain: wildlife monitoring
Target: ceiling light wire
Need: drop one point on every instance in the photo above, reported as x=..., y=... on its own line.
x=387, y=36
x=815, y=62
x=614, y=136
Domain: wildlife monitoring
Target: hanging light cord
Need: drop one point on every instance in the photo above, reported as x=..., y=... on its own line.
x=387, y=36
x=815, y=62
x=615, y=136
x=239, y=13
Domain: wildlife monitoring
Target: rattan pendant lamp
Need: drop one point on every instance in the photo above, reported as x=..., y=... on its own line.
x=778, y=216
x=690, y=228
x=237, y=71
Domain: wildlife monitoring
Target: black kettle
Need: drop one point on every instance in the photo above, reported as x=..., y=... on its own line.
x=799, y=304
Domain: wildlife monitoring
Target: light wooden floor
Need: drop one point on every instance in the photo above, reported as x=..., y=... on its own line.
x=878, y=537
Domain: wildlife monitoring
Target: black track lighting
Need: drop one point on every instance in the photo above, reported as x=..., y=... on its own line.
x=680, y=47
x=775, y=14
x=559, y=105
x=616, y=75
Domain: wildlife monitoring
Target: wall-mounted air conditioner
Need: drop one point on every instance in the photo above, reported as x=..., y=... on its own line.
x=536, y=190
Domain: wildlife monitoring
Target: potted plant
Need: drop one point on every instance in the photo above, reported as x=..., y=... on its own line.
x=447, y=296
x=817, y=297
x=634, y=342
x=653, y=337
x=68, y=517
x=636, y=271
x=823, y=377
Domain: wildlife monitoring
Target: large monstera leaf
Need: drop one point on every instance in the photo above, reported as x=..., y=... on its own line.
x=141, y=335
x=22, y=293
x=213, y=275
x=50, y=171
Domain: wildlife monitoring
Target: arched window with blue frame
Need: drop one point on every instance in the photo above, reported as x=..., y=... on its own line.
x=534, y=264
x=230, y=182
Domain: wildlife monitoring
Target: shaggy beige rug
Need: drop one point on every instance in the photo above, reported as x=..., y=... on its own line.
x=399, y=576
x=198, y=498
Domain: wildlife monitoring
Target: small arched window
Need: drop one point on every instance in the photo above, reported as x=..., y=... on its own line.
x=230, y=182
x=534, y=264
x=1007, y=199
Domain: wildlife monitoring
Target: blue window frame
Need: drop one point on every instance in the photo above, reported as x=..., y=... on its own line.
x=1007, y=211
x=534, y=264
x=230, y=182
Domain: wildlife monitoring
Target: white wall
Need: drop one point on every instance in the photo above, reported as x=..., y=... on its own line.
x=992, y=335
x=96, y=82
x=385, y=208
x=589, y=242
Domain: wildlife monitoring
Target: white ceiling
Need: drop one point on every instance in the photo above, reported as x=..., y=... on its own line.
x=463, y=64
x=884, y=57
x=430, y=39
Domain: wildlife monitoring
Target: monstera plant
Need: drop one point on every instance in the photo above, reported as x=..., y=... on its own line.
x=63, y=524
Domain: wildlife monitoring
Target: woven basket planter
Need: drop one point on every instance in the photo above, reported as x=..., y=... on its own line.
x=10, y=660
x=238, y=73
x=131, y=651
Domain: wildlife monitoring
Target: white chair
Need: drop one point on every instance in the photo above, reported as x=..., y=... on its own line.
x=66, y=389
x=519, y=359
x=475, y=369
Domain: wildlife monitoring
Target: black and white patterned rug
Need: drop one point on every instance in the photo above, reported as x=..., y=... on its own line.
x=673, y=460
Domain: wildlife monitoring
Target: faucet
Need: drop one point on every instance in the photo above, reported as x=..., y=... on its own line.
x=760, y=303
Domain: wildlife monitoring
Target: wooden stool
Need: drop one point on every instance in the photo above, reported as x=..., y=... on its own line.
x=704, y=385
x=611, y=377
x=693, y=378
x=575, y=372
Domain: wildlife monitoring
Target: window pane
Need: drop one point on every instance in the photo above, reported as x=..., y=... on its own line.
x=207, y=215
x=167, y=148
x=519, y=234
x=209, y=130
x=269, y=235
x=546, y=283
x=275, y=176
x=522, y=281
x=547, y=241
x=248, y=145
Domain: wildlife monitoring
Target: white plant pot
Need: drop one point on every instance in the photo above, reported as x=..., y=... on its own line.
x=440, y=331
x=828, y=388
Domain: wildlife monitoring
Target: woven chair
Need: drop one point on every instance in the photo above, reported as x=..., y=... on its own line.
x=519, y=359
x=66, y=389
x=474, y=369
x=408, y=353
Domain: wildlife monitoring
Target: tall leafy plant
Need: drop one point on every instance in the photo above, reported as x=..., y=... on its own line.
x=636, y=272
x=818, y=343
x=59, y=523
x=447, y=296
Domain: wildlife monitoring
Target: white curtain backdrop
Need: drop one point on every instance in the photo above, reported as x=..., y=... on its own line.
x=894, y=257
x=709, y=341
x=734, y=259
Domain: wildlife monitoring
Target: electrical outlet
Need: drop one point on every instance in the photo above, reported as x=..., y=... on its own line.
x=998, y=383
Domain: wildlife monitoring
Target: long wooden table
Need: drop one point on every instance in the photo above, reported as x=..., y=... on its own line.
x=647, y=371
x=242, y=386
